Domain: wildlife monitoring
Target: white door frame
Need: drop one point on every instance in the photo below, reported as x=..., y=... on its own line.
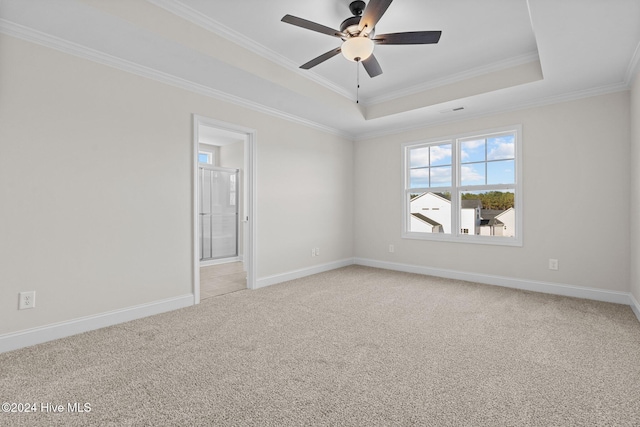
x=249, y=220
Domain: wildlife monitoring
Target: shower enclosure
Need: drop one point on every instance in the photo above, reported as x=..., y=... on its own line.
x=218, y=212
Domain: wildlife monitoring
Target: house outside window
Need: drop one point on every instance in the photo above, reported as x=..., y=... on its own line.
x=465, y=188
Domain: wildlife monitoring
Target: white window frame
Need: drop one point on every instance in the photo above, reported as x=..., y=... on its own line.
x=456, y=234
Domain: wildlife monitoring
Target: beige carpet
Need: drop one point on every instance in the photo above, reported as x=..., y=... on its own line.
x=354, y=346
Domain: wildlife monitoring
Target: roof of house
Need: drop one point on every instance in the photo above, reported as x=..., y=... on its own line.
x=491, y=216
x=426, y=219
x=471, y=204
x=490, y=213
x=433, y=194
x=492, y=221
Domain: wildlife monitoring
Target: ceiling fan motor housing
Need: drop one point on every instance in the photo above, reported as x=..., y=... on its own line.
x=350, y=25
x=356, y=7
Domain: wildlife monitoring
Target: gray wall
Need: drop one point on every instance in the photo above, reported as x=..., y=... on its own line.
x=95, y=183
x=576, y=197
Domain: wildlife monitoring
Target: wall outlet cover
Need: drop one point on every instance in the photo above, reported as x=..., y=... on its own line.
x=26, y=300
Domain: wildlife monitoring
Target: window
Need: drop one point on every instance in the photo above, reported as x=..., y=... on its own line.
x=465, y=188
x=205, y=157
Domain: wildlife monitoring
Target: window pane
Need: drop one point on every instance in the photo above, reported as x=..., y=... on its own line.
x=430, y=212
x=203, y=158
x=441, y=176
x=488, y=213
x=472, y=151
x=501, y=172
x=501, y=147
x=440, y=154
x=472, y=174
x=419, y=178
x=419, y=157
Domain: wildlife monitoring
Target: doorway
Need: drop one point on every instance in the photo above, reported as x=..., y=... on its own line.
x=224, y=207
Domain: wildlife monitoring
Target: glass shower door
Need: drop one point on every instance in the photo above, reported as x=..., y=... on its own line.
x=218, y=212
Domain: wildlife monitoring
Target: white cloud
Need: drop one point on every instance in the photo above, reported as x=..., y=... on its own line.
x=419, y=157
x=420, y=173
x=473, y=143
x=468, y=147
x=440, y=152
x=440, y=175
x=469, y=174
x=502, y=148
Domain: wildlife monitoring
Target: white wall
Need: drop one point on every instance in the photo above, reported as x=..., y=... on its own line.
x=95, y=183
x=576, y=173
x=635, y=189
x=305, y=189
x=232, y=155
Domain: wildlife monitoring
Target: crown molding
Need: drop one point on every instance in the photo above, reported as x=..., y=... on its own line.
x=454, y=78
x=550, y=100
x=180, y=9
x=633, y=68
x=34, y=36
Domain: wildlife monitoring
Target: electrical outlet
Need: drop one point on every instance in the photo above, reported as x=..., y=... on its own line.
x=313, y=251
x=317, y=251
x=392, y=249
x=26, y=300
x=553, y=264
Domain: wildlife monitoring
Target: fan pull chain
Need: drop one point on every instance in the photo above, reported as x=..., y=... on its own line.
x=357, y=82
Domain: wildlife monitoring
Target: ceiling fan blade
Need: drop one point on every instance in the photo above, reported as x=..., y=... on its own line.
x=372, y=14
x=321, y=58
x=411, y=37
x=372, y=66
x=313, y=26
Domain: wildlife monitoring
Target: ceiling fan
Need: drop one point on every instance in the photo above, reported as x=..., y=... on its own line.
x=358, y=35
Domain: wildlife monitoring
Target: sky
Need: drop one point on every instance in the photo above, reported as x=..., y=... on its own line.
x=484, y=161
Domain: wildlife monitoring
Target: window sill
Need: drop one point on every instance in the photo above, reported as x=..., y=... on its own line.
x=478, y=240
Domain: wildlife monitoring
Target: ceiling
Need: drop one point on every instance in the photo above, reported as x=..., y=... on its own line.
x=494, y=55
x=460, y=49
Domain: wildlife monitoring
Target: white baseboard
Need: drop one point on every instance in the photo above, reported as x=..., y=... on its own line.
x=16, y=340
x=28, y=337
x=635, y=306
x=296, y=274
x=508, y=282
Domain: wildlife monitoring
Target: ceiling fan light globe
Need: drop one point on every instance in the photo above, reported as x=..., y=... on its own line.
x=357, y=48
